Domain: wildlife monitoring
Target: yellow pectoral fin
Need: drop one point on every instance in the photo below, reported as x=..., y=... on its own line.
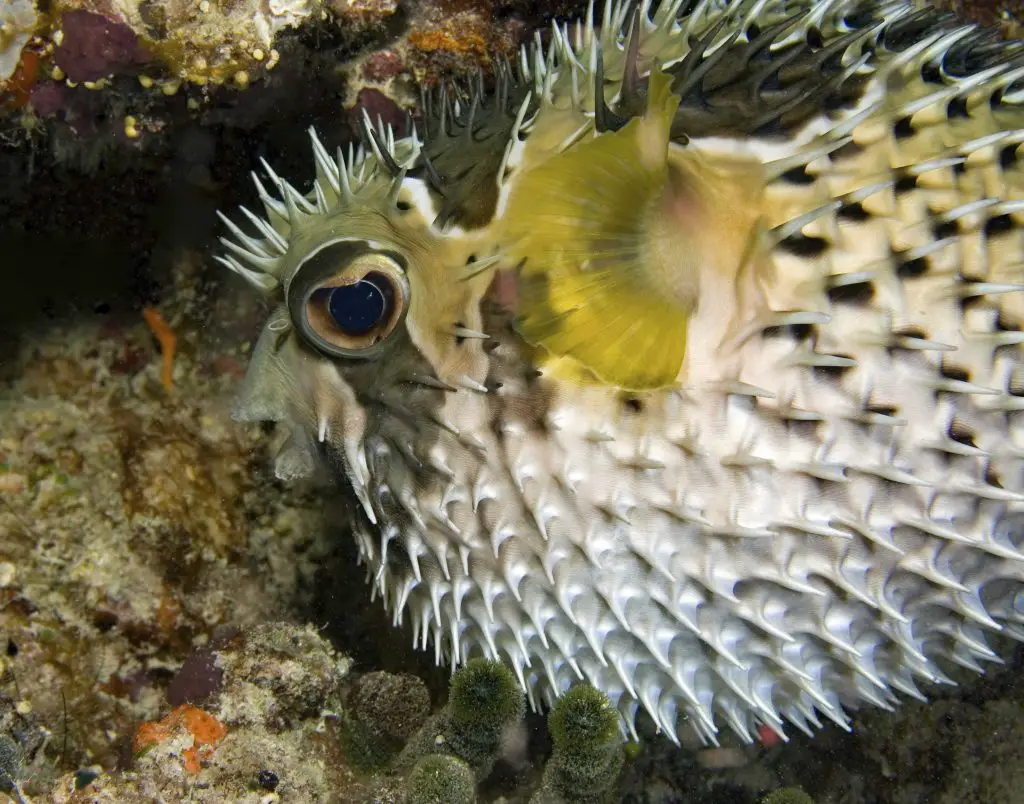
x=597, y=282
x=627, y=338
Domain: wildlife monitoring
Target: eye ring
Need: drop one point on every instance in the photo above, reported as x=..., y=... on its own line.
x=347, y=299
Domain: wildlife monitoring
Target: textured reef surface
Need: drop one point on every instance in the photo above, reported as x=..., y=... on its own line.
x=177, y=624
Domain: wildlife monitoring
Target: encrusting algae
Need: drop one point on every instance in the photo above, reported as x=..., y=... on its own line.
x=686, y=362
x=199, y=731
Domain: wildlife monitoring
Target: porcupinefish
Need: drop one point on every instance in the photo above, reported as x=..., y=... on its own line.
x=684, y=360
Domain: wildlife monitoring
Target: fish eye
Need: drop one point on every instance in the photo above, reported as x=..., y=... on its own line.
x=346, y=303
x=358, y=307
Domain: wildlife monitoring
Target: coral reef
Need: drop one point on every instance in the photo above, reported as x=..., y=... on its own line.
x=449, y=754
x=952, y=750
x=196, y=42
x=22, y=740
x=93, y=46
x=274, y=708
x=101, y=75
x=18, y=19
x=123, y=513
x=394, y=705
x=11, y=762
x=1004, y=15
x=456, y=36
x=485, y=699
x=276, y=675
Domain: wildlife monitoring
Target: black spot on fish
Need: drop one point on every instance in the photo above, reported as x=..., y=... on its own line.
x=911, y=269
x=854, y=212
x=804, y=245
x=957, y=373
x=903, y=128
x=1000, y=224
x=961, y=433
x=853, y=293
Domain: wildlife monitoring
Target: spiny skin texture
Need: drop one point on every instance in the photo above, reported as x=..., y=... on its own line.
x=818, y=502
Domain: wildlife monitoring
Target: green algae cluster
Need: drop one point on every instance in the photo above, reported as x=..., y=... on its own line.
x=440, y=779
x=445, y=758
x=787, y=795
x=484, y=701
x=588, y=752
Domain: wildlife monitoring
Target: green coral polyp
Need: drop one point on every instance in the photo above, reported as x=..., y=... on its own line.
x=484, y=697
x=588, y=754
x=583, y=718
x=787, y=795
x=484, y=702
x=440, y=779
x=385, y=710
x=365, y=750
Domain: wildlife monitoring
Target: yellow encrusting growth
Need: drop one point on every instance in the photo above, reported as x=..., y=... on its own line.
x=591, y=287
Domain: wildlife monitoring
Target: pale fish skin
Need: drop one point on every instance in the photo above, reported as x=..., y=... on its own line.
x=718, y=409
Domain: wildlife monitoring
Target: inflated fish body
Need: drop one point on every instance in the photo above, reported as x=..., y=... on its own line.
x=686, y=362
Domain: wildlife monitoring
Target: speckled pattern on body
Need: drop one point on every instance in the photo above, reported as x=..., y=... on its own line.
x=697, y=361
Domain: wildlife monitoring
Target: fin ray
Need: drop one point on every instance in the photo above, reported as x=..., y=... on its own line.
x=589, y=287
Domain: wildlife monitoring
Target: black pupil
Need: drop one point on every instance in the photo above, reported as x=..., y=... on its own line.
x=359, y=307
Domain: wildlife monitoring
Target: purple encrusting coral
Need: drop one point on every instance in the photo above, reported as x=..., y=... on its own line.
x=377, y=104
x=48, y=98
x=196, y=680
x=95, y=46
